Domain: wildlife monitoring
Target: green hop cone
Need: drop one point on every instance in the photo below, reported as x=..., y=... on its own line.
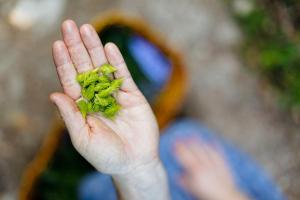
x=114, y=86
x=97, y=89
x=111, y=110
x=107, y=69
x=83, y=107
x=101, y=86
x=88, y=92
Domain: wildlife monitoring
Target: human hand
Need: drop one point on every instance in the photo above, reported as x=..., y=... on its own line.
x=206, y=175
x=119, y=146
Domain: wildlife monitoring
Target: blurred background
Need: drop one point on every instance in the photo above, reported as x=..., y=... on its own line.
x=241, y=58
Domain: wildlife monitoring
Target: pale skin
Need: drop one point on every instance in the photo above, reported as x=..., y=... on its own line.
x=207, y=175
x=126, y=147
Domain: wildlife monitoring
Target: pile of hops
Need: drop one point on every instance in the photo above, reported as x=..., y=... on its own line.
x=97, y=88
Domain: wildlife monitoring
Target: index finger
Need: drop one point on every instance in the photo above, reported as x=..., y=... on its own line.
x=65, y=70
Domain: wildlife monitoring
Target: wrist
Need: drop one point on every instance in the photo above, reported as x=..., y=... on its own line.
x=136, y=170
x=143, y=181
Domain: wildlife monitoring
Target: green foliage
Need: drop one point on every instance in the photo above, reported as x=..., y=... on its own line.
x=275, y=54
x=97, y=89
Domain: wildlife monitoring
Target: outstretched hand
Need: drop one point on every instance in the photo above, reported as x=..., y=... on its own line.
x=119, y=146
x=207, y=175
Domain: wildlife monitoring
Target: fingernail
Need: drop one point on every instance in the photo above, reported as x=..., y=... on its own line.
x=68, y=25
x=110, y=47
x=86, y=29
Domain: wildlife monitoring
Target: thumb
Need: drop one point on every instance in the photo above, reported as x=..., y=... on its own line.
x=71, y=115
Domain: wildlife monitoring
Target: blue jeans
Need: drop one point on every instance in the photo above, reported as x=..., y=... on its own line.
x=249, y=177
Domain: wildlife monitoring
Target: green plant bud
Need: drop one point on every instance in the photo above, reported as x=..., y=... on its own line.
x=83, y=107
x=110, y=111
x=104, y=79
x=80, y=78
x=89, y=107
x=115, y=85
x=97, y=90
x=107, y=69
x=96, y=108
x=104, y=101
x=90, y=79
x=100, y=86
x=88, y=92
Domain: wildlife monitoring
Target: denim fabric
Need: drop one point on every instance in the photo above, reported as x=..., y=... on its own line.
x=249, y=177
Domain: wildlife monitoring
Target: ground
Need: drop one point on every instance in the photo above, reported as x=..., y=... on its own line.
x=224, y=93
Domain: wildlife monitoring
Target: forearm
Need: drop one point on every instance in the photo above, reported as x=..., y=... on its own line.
x=147, y=182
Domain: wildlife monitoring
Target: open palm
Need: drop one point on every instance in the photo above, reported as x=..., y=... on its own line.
x=111, y=146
